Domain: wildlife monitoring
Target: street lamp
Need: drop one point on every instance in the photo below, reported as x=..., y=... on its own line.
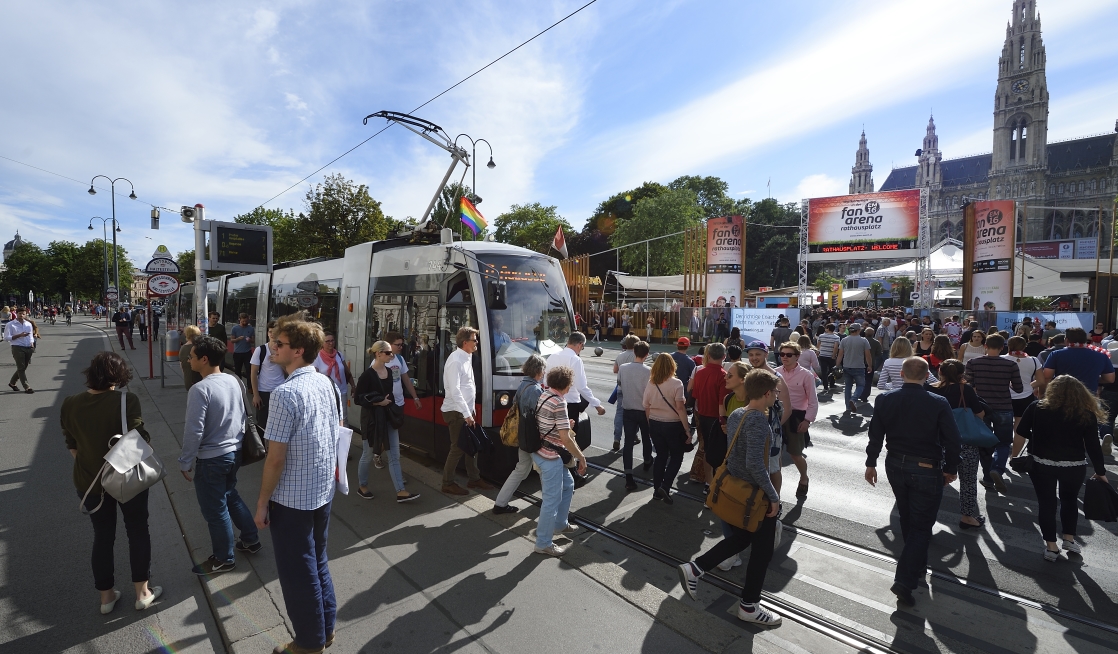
x=473, y=158
x=116, y=225
x=105, y=243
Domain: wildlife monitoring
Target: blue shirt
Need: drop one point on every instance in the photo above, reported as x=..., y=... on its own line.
x=244, y=346
x=303, y=413
x=1083, y=363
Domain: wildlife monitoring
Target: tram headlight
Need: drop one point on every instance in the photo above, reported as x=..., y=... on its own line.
x=504, y=398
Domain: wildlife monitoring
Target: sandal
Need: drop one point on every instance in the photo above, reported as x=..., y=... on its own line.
x=801, y=491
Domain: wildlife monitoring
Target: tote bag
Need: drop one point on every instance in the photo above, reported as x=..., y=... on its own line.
x=972, y=431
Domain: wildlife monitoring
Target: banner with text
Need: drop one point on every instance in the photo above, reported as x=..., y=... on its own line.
x=758, y=324
x=1086, y=320
x=867, y=226
x=992, y=257
x=725, y=237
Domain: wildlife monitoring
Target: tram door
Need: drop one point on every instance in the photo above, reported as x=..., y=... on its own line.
x=456, y=312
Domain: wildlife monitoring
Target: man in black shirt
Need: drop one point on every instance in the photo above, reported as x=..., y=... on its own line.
x=123, y=324
x=923, y=458
x=1034, y=347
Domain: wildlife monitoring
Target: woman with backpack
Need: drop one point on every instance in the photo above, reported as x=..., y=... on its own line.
x=953, y=386
x=746, y=461
x=1029, y=366
x=1062, y=431
x=526, y=399
x=89, y=420
x=374, y=394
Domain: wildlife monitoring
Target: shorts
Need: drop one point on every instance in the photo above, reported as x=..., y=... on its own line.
x=1020, y=405
x=793, y=441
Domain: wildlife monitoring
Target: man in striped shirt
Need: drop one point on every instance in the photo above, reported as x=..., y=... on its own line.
x=828, y=342
x=993, y=377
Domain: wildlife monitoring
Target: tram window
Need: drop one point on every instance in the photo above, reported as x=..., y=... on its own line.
x=458, y=291
x=241, y=300
x=451, y=319
x=321, y=299
x=385, y=315
x=421, y=342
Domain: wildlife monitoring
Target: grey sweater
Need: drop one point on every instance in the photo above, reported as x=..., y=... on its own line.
x=215, y=419
x=747, y=458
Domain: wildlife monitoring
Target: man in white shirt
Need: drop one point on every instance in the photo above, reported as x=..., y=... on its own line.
x=579, y=396
x=21, y=334
x=458, y=409
x=265, y=376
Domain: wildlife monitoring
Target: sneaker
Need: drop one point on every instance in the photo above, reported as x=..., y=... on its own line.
x=550, y=550
x=364, y=494
x=212, y=566
x=986, y=483
x=1107, y=444
x=1051, y=555
x=508, y=508
x=1072, y=547
x=999, y=483
x=689, y=574
x=730, y=563
x=904, y=595
x=406, y=497
x=568, y=530
x=251, y=549
x=757, y=614
x=378, y=462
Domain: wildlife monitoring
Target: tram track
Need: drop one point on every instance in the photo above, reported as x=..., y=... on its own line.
x=818, y=623
x=935, y=574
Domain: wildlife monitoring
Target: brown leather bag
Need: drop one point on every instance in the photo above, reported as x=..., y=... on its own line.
x=737, y=501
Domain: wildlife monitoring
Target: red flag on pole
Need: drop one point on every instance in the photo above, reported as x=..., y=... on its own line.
x=560, y=243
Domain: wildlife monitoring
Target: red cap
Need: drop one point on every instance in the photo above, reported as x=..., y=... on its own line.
x=683, y=342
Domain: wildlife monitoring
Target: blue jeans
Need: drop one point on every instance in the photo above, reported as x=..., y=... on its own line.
x=635, y=420
x=394, y=469
x=618, y=417
x=299, y=540
x=855, y=377
x=918, y=492
x=1003, y=429
x=557, y=487
x=215, y=484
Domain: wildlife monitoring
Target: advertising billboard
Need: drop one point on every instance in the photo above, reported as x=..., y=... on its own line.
x=725, y=249
x=758, y=324
x=991, y=257
x=866, y=226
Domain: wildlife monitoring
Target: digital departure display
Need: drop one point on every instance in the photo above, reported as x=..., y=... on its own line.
x=247, y=247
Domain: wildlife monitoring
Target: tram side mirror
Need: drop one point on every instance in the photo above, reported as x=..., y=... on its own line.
x=496, y=293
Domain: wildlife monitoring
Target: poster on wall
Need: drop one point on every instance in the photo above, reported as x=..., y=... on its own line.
x=725, y=245
x=991, y=283
x=867, y=226
x=836, y=296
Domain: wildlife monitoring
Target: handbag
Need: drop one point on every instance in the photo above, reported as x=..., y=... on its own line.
x=395, y=415
x=253, y=448
x=972, y=431
x=737, y=501
x=1023, y=463
x=613, y=396
x=131, y=466
x=472, y=440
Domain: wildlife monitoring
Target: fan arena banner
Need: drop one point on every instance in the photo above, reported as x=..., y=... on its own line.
x=865, y=226
x=991, y=270
x=725, y=250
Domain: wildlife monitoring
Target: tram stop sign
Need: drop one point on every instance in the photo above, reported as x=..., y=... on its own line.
x=162, y=285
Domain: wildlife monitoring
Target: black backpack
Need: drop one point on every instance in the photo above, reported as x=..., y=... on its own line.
x=528, y=429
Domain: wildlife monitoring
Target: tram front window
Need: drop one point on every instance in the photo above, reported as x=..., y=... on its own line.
x=538, y=317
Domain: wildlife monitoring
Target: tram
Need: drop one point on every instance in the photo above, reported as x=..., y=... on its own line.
x=426, y=291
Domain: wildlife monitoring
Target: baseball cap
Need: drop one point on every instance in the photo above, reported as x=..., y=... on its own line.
x=683, y=342
x=756, y=345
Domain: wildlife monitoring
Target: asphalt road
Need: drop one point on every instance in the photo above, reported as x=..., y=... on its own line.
x=1006, y=555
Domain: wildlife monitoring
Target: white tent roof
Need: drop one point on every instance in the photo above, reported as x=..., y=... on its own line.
x=1042, y=281
x=665, y=283
x=946, y=262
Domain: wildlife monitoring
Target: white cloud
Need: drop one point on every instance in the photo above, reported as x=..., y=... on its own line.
x=819, y=185
x=295, y=103
x=263, y=26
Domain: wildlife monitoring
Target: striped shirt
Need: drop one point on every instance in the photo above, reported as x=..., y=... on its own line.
x=303, y=413
x=992, y=377
x=828, y=341
x=552, y=419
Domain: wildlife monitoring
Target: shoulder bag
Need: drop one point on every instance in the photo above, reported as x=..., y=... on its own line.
x=131, y=466
x=737, y=501
x=972, y=431
x=253, y=448
x=510, y=428
x=1023, y=463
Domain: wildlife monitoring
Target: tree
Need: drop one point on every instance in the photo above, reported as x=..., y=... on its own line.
x=286, y=245
x=186, y=266
x=86, y=278
x=772, y=243
x=710, y=192
x=822, y=283
x=667, y=213
x=876, y=289
x=24, y=270
x=60, y=259
x=901, y=287
x=339, y=214
x=530, y=226
x=619, y=208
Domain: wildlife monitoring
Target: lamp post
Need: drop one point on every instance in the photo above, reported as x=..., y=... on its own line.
x=473, y=158
x=105, y=244
x=116, y=225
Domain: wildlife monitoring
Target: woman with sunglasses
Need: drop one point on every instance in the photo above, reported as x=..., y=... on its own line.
x=374, y=395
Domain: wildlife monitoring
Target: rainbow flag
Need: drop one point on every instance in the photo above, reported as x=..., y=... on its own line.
x=472, y=218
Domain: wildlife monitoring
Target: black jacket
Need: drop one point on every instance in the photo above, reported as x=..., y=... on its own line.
x=916, y=423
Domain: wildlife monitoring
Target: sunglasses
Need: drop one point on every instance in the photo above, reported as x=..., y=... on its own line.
x=785, y=355
x=279, y=345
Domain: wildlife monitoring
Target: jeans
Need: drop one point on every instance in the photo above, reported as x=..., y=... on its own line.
x=455, y=421
x=1002, y=424
x=299, y=540
x=143, y=332
x=918, y=492
x=519, y=473
x=668, y=437
x=135, y=512
x=827, y=367
x=1045, y=481
x=262, y=412
x=557, y=487
x=635, y=420
x=855, y=377
x=734, y=542
x=215, y=484
x=618, y=417
x=22, y=356
x=394, y=470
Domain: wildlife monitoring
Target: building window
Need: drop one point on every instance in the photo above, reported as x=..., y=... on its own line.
x=1052, y=189
x=1061, y=188
x=1022, y=56
x=1081, y=187
x=1094, y=185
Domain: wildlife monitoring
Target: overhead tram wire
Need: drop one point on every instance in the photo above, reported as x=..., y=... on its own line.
x=99, y=188
x=444, y=92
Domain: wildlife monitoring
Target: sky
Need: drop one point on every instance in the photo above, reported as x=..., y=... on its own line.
x=228, y=104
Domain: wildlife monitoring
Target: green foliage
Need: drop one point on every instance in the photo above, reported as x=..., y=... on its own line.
x=530, y=226
x=772, y=242
x=710, y=192
x=339, y=214
x=448, y=208
x=186, y=264
x=619, y=208
x=61, y=269
x=667, y=213
x=822, y=283
x=1033, y=303
x=876, y=289
x=902, y=287
x=286, y=244
x=24, y=269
